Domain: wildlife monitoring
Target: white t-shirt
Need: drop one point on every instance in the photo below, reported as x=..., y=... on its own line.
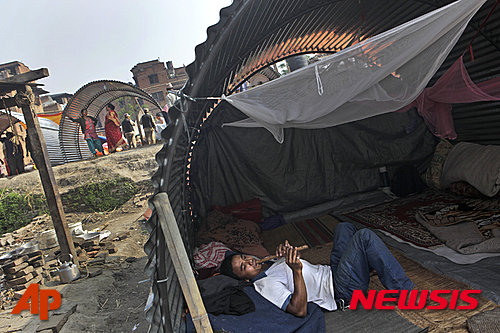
x=277, y=284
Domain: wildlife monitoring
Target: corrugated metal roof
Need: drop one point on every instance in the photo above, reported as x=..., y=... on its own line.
x=94, y=96
x=50, y=132
x=253, y=34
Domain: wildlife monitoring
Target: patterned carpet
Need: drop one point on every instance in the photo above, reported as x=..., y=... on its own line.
x=398, y=216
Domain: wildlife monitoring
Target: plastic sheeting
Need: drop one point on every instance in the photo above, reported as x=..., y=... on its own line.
x=380, y=75
x=311, y=167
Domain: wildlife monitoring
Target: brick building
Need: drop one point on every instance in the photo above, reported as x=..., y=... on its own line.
x=15, y=68
x=154, y=76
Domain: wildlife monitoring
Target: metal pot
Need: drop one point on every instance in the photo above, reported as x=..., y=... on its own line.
x=68, y=271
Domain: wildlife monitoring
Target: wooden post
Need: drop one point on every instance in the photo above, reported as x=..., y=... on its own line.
x=181, y=262
x=41, y=158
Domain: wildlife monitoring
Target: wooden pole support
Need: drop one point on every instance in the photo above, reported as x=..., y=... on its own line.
x=41, y=158
x=181, y=262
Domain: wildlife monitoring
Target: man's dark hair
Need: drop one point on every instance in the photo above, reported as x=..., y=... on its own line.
x=111, y=106
x=226, y=267
x=83, y=110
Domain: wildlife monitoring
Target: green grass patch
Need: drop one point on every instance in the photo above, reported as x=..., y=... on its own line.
x=17, y=210
x=100, y=196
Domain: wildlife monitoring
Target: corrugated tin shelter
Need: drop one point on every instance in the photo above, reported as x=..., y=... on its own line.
x=94, y=96
x=254, y=34
x=50, y=131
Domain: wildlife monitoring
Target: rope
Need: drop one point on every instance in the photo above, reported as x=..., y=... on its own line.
x=318, y=81
x=469, y=47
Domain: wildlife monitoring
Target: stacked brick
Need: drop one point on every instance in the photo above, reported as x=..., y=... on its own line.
x=93, y=249
x=24, y=270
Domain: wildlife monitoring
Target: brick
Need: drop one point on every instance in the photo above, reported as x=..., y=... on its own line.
x=26, y=285
x=89, y=243
x=38, y=271
x=34, y=254
x=15, y=262
x=13, y=270
x=20, y=280
x=37, y=264
x=35, y=259
x=52, y=263
x=20, y=273
x=97, y=261
x=112, y=249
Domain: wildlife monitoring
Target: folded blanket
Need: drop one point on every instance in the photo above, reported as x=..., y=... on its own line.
x=472, y=226
x=476, y=164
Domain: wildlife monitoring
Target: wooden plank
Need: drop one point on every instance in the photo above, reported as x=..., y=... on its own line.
x=28, y=76
x=181, y=262
x=41, y=158
x=7, y=102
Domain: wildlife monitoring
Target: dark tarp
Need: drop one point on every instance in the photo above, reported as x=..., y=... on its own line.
x=310, y=167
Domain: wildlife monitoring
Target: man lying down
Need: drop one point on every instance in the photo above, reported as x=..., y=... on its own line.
x=291, y=282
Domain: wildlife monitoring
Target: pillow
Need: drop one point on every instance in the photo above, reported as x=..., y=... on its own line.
x=432, y=176
x=475, y=164
x=209, y=255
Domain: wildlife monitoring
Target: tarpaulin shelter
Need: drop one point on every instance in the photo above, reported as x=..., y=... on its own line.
x=204, y=163
x=93, y=96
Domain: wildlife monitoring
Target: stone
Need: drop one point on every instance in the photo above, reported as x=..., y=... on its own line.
x=56, y=321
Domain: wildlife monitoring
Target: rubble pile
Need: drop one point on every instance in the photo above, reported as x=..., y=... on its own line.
x=22, y=270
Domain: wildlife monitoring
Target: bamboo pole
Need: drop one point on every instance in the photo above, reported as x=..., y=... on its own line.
x=181, y=262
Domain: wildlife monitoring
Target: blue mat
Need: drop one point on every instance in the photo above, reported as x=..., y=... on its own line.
x=266, y=318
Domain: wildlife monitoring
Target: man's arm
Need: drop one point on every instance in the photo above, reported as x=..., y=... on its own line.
x=298, y=301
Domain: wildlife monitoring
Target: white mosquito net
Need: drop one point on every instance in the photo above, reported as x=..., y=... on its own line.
x=379, y=75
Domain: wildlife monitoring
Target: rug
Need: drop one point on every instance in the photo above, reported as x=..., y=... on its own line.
x=398, y=216
x=311, y=232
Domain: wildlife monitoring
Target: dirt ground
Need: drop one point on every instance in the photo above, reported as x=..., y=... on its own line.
x=113, y=301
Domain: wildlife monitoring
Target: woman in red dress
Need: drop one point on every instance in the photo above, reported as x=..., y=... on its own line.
x=112, y=129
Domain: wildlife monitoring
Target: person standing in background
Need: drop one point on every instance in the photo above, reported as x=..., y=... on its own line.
x=14, y=153
x=112, y=129
x=129, y=131
x=87, y=125
x=148, y=124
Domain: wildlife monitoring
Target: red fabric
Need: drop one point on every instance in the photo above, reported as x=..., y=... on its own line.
x=248, y=210
x=209, y=255
x=113, y=132
x=455, y=86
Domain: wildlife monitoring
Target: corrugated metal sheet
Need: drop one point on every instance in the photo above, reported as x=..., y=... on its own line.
x=253, y=34
x=50, y=132
x=94, y=96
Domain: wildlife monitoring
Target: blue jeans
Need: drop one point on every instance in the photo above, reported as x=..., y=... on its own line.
x=95, y=144
x=355, y=253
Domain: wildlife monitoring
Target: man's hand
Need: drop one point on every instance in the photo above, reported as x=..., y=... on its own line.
x=298, y=302
x=291, y=254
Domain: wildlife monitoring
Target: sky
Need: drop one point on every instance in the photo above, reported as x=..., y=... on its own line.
x=80, y=41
